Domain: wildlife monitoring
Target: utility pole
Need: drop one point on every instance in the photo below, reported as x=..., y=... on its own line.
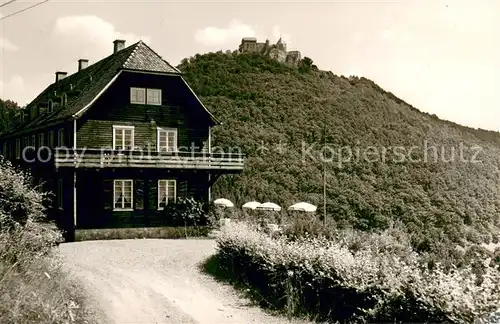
x=324, y=175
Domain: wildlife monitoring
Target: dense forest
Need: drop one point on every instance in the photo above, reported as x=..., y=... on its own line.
x=438, y=179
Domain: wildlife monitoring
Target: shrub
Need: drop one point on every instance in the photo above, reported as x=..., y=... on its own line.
x=186, y=211
x=17, y=205
x=33, y=286
x=215, y=214
x=370, y=283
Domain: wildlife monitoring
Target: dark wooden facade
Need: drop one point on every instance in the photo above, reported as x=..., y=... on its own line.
x=76, y=161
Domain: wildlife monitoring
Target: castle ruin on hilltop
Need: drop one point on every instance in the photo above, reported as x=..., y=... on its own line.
x=275, y=51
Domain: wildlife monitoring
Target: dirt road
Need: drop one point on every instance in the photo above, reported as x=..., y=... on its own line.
x=157, y=281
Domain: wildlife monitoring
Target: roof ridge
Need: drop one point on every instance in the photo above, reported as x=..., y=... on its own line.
x=154, y=52
x=138, y=56
x=137, y=44
x=84, y=71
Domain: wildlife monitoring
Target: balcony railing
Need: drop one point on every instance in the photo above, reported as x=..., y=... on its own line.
x=87, y=158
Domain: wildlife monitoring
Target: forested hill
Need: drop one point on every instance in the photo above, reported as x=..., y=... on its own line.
x=263, y=104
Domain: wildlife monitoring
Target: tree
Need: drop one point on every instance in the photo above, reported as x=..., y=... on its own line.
x=305, y=64
x=307, y=61
x=8, y=111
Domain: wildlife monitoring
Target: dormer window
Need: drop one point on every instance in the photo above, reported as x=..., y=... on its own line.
x=33, y=112
x=51, y=106
x=64, y=100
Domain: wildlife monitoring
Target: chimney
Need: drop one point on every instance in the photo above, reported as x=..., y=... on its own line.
x=60, y=75
x=82, y=64
x=119, y=45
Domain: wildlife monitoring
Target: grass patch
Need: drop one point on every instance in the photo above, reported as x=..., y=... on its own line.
x=34, y=286
x=142, y=232
x=41, y=293
x=224, y=273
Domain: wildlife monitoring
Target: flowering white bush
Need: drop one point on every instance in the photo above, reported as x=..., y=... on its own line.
x=17, y=203
x=34, y=288
x=369, y=284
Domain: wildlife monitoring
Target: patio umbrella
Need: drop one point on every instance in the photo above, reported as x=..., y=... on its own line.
x=251, y=205
x=223, y=202
x=303, y=206
x=269, y=206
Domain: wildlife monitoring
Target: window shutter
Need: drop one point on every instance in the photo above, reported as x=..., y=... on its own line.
x=182, y=191
x=139, y=194
x=153, y=194
x=178, y=116
x=108, y=194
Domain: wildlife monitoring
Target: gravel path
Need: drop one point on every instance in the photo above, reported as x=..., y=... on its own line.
x=157, y=281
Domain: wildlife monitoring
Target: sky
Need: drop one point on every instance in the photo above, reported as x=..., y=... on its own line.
x=442, y=57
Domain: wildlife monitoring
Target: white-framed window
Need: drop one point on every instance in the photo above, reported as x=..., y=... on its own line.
x=60, y=138
x=166, y=139
x=41, y=139
x=153, y=96
x=167, y=191
x=18, y=148
x=51, y=139
x=137, y=95
x=123, y=198
x=123, y=137
x=60, y=194
x=145, y=96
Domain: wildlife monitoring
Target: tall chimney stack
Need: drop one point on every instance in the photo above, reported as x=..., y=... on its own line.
x=119, y=44
x=60, y=75
x=82, y=64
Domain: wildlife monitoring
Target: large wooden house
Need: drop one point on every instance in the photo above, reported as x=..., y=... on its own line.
x=117, y=141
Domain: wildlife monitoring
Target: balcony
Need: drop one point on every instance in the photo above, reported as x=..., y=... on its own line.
x=88, y=158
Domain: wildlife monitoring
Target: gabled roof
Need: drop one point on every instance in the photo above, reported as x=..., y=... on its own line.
x=83, y=87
